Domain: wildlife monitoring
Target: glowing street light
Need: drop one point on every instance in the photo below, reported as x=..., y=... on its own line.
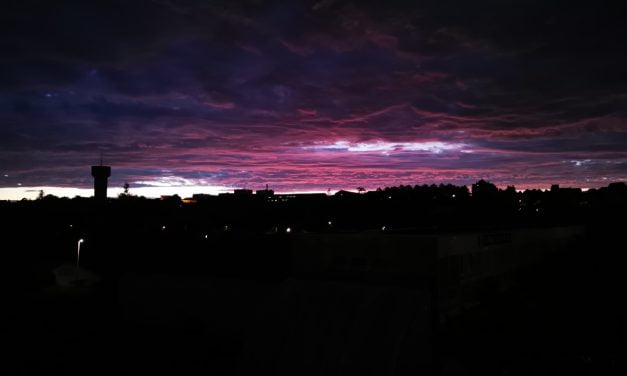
x=78, y=251
x=288, y=230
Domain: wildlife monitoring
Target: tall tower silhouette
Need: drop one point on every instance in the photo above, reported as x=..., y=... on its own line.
x=101, y=174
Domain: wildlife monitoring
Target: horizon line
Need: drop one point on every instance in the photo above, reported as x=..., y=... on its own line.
x=31, y=192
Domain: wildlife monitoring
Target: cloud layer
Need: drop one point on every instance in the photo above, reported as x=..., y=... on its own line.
x=310, y=95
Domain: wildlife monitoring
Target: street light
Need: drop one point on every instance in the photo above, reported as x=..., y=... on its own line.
x=78, y=251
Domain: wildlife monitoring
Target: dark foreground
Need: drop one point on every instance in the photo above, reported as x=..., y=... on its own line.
x=566, y=316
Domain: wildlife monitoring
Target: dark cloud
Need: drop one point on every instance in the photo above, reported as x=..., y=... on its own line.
x=314, y=93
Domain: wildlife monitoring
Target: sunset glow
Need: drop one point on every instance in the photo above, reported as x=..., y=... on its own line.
x=206, y=98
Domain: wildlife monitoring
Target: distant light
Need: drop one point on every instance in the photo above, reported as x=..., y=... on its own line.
x=383, y=228
x=226, y=228
x=288, y=230
x=389, y=197
x=81, y=240
x=71, y=226
x=163, y=228
x=453, y=196
x=206, y=236
x=19, y=184
x=330, y=223
x=537, y=210
x=6, y=176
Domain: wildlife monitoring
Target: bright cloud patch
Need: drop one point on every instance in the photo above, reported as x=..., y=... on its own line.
x=579, y=163
x=389, y=147
x=176, y=181
x=176, y=185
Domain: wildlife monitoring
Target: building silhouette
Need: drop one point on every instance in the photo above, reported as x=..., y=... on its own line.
x=101, y=174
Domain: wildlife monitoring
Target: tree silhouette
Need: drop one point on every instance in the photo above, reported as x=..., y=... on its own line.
x=125, y=193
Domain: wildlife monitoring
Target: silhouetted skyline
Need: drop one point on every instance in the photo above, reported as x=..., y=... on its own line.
x=102, y=173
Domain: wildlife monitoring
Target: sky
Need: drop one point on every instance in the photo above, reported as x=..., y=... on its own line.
x=207, y=96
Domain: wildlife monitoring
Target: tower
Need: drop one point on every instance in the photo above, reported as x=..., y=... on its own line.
x=101, y=174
